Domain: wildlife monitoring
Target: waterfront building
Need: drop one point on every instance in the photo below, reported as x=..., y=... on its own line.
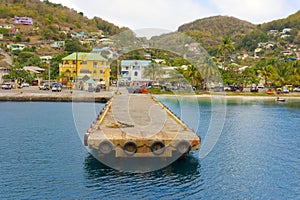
x=132, y=70
x=80, y=64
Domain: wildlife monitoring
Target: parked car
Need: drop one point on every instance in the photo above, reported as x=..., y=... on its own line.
x=56, y=87
x=253, y=88
x=260, y=86
x=285, y=90
x=144, y=90
x=6, y=86
x=278, y=90
x=91, y=89
x=25, y=85
x=97, y=88
x=227, y=88
x=289, y=87
x=44, y=86
x=296, y=89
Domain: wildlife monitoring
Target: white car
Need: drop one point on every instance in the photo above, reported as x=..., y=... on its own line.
x=260, y=86
x=285, y=90
x=296, y=89
x=25, y=85
x=6, y=86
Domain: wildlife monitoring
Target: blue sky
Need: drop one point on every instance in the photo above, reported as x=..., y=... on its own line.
x=170, y=14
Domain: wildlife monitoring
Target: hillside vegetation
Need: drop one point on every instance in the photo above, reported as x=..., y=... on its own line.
x=210, y=31
x=42, y=13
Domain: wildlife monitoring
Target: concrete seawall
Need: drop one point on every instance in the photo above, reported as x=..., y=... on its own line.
x=55, y=97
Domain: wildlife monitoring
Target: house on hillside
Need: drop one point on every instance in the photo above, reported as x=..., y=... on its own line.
x=7, y=26
x=132, y=70
x=58, y=44
x=81, y=64
x=46, y=59
x=33, y=69
x=23, y=20
x=286, y=30
x=16, y=47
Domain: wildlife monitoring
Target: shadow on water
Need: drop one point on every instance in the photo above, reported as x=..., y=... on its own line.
x=188, y=166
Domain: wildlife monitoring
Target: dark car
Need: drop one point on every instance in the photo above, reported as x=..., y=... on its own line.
x=91, y=89
x=97, y=88
x=253, y=88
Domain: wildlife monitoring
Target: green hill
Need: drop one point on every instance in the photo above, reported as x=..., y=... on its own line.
x=51, y=18
x=292, y=21
x=210, y=31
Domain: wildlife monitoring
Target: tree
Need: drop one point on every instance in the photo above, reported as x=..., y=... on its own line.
x=266, y=72
x=54, y=65
x=17, y=73
x=296, y=73
x=153, y=71
x=193, y=75
x=73, y=45
x=28, y=59
x=226, y=47
x=282, y=74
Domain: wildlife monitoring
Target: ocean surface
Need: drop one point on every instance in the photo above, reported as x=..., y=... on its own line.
x=256, y=155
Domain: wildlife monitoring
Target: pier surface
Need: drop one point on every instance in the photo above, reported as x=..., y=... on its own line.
x=138, y=125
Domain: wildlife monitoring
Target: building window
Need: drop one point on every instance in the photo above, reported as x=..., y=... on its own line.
x=102, y=62
x=135, y=73
x=101, y=71
x=84, y=62
x=84, y=71
x=73, y=62
x=67, y=62
x=95, y=64
x=95, y=71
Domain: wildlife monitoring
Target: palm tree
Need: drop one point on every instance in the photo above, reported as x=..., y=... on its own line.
x=226, y=47
x=266, y=72
x=193, y=75
x=153, y=71
x=296, y=72
x=209, y=71
x=282, y=74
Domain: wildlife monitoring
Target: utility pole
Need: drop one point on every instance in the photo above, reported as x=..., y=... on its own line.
x=49, y=71
x=118, y=92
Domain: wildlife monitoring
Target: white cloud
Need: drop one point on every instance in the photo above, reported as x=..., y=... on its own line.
x=137, y=14
x=256, y=11
x=169, y=14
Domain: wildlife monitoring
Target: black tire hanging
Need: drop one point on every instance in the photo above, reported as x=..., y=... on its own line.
x=130, y=148
x=85, y=139
x=183, y=147
x=157, y=147
x=105, y=147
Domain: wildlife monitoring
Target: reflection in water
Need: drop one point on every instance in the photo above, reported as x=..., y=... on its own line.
x=189, y=166
x=173, y=181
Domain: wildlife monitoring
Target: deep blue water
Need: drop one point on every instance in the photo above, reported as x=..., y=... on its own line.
x=257, y=155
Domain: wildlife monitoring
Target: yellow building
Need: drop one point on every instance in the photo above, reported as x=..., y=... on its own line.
x=78, y=65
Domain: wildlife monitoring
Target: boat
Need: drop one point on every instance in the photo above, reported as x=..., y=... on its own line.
x=280, y=99
x=270, y=91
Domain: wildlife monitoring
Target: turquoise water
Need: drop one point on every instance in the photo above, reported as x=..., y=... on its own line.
x=255, y=157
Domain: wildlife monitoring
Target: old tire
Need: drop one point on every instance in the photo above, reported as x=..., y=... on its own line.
x=130, y=148
x=85, y=139
x=157, y=147
x=183, y=147
x=105, y=147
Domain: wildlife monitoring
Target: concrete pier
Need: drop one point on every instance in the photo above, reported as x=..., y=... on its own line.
x=137, y=125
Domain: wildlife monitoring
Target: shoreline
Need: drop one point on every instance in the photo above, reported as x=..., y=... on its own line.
x=103, y=97
x=54, y=97
x=245, y=96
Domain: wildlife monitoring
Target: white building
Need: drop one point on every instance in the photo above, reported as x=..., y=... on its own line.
x=132, y=70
